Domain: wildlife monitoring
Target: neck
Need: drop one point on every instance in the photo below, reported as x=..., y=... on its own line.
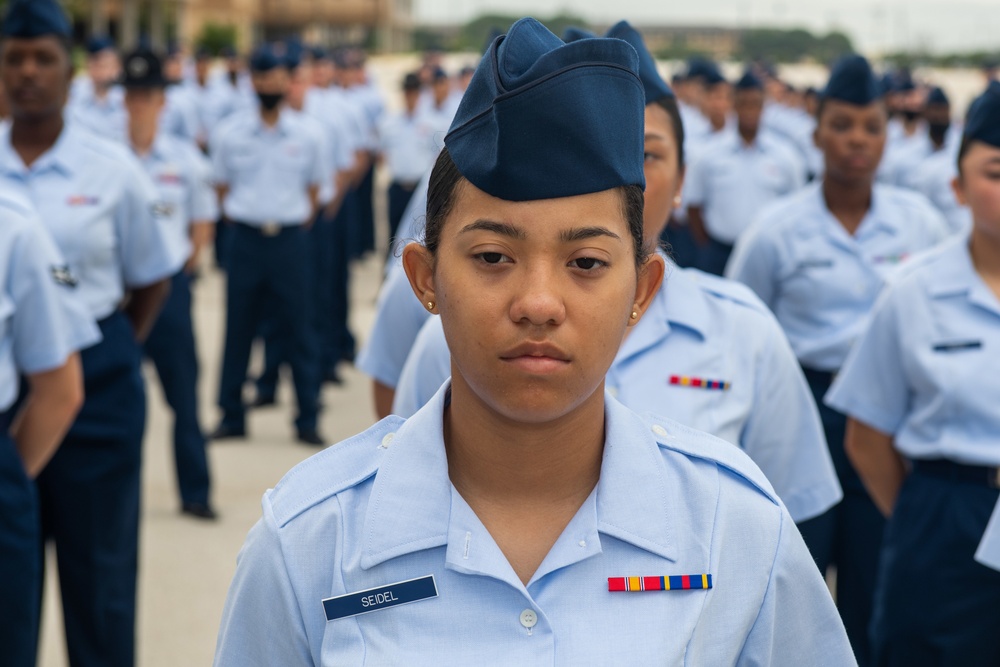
x=717, y=123
x=270, y=116
x=748, y=135
x=494, y=460
x=141, y=136
x=985, y=250
x=847, y=201
x=31, y=138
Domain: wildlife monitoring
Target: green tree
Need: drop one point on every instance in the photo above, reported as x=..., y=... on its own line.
x=215, y=37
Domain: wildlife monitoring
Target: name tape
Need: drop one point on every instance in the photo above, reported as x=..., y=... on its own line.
x=383, y=597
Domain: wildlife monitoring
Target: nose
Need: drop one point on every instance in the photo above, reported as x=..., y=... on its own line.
x=539, y=299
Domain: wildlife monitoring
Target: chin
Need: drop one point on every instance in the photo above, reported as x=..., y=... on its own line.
x=530, y=402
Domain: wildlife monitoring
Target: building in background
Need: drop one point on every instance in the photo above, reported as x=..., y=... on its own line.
x=386, y=25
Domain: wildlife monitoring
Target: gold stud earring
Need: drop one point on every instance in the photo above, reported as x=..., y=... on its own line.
x=677, y=200
x=430, y=306
x=635, y=315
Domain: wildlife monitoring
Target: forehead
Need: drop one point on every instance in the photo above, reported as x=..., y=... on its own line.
x=843, y=109
x=42, y=44
x=539, y=217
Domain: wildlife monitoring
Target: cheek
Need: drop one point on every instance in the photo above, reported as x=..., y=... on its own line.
x=984, y=199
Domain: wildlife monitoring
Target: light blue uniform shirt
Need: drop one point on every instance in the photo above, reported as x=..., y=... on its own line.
x=341, y=131
x=104, y=117
x=269, y=170
x=183, y=180
x=927, y=369
x=933, y=180
x=180, y=116
x=409, y=144
x=399, y=315
x=705, y=328
x=820, y=281
x=380, y=509
x=99, y=206
x=732, y=181
x=41, y=321
x=989, y=549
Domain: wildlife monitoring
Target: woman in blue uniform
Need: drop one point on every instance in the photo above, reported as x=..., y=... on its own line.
x=707, y=353
x=921, y=388
x=505, y=518
x=819, y=259
x=41, y=329
x=98, y=205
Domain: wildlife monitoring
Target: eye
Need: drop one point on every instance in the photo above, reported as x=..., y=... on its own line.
x=588, y=264
x=492, y=258
x=649, y=157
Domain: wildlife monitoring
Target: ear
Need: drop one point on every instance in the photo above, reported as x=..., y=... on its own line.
x=649, y=283
x=419, y=266
x=959, y=190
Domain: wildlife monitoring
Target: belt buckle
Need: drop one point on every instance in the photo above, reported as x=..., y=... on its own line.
x=270, y=229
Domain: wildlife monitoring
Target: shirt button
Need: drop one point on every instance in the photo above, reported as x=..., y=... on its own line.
x=386, y=440
x=660, y=431
x=529, y=618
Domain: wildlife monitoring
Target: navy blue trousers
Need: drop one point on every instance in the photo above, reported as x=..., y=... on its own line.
x=399, y=196
x=223, y=231
x=268, y=271
x=683, y=249
x=90, y=494
x=366, y=210
x=341, y=344
x=713, y=257
x=848, y=535
x=320, y=317
x=20, y=556
x=171, y=347
x=934, y=605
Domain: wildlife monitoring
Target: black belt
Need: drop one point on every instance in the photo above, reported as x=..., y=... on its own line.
x=268, y=229
x=959, y=472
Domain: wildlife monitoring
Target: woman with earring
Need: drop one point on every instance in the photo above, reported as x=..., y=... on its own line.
x=523, y=513
x=707, y=353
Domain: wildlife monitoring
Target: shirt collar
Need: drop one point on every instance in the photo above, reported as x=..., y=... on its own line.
x=411, y=499
x=878, y=218
x=955, y=275
x=281, y=127
x=61, y=157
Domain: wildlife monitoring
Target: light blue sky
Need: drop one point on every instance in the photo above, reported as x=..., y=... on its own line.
x=875, y=25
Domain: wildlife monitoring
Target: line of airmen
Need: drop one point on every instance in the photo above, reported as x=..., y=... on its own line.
x=728, y=368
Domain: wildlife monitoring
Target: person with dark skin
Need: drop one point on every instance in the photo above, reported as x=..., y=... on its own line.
x=819, y=258
x=94, y=198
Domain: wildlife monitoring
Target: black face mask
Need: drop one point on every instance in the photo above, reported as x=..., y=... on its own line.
x=910, y=115
x=233, y=76
x=270, y=101
x=937, y=131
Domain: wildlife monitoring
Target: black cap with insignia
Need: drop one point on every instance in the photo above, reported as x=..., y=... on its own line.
x=143, y=69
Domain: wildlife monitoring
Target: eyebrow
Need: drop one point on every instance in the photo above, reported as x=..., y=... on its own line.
x=501, y=228
x=582, y=233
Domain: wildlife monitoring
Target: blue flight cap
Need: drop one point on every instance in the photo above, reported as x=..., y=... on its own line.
x=438, y=74
x=542, y=119
x=852, y=81
x=937, y=96
x=749, y=81
x=294, y=52
x=264, y=59
x=99, y=43
x=573, y=33
x=319, y=53
x=654, y=85
x=983, y=121
x=35, y=18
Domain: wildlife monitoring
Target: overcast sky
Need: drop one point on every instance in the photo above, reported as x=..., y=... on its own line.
x=874, y=25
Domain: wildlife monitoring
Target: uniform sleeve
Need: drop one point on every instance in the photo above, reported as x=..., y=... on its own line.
x=322, y=170
x=217, y=144
x=427, y=367
x=261, y=620
x=48, y=324
x=989, y=549
x=204, y=205
x=798, y=623
x=794, y=456
x=398, y=318
x=147, y=255
x=871, y=386
x=754, y=263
